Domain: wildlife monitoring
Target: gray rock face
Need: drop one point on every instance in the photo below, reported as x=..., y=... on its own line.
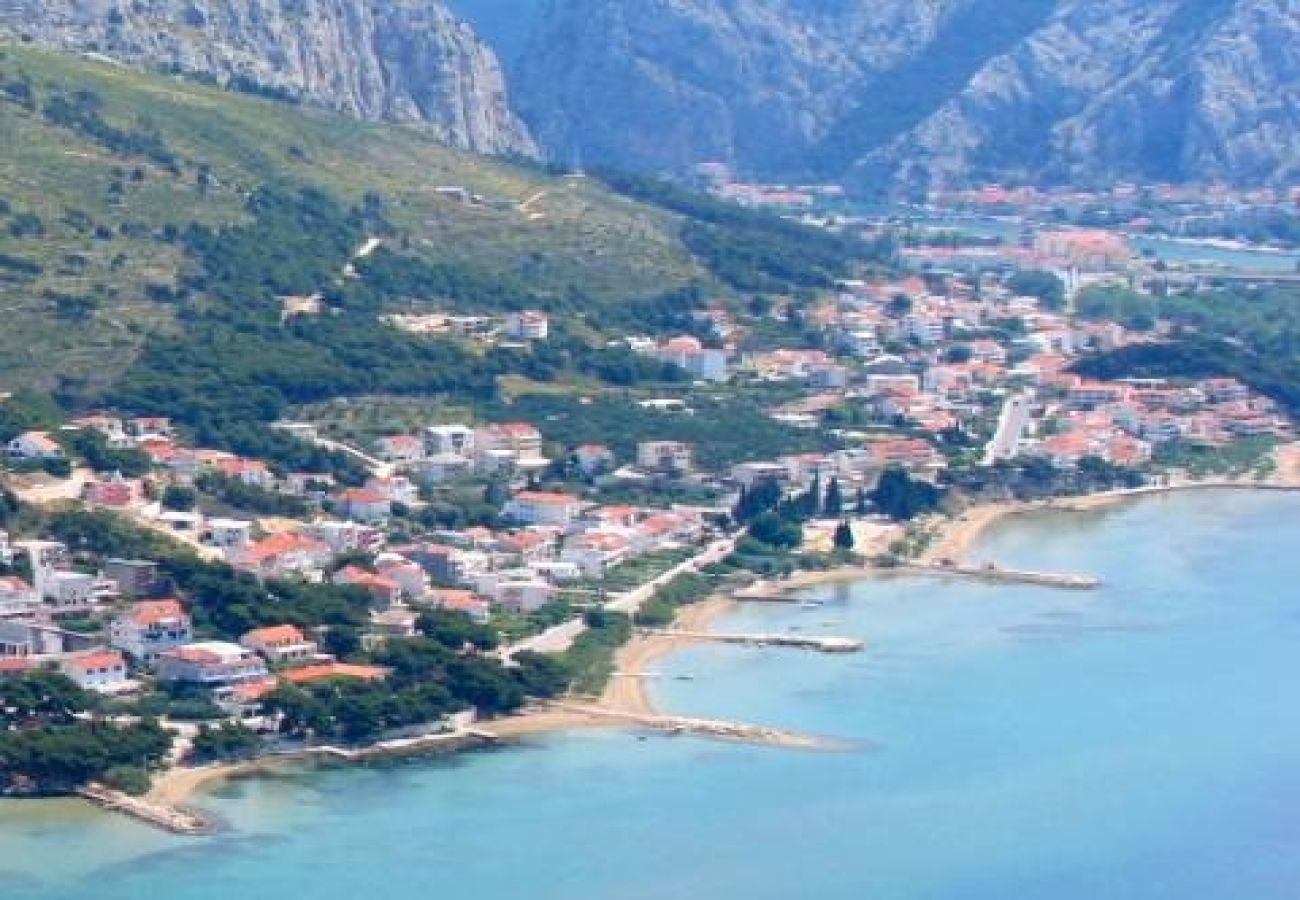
x=918, y=93
x=662, y=84
x=1119, y=89
x=402, y=60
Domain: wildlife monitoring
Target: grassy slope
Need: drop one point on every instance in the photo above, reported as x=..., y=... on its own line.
x=574, y=233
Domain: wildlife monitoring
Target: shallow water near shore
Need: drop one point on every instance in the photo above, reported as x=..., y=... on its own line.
x=1137, y=742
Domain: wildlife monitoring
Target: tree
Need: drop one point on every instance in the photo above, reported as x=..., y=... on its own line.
x=902, y=497
x=770, y=528
x=1046, y=287
x=833, y=505
x=844, y=539
x=899, y=306
x=179, y=498
x=765, y=495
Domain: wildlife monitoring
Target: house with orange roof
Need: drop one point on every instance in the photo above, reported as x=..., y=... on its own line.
x=211, y=664
x=252, y=472
x=35, y=445
x=401, y=448
x=281, y=554
x=101, y=671
x=363, y=505
x=596, y=552
x=150, y=628
x=384, y=591
x=280, y=644
x=332, y=670
x=466, y=602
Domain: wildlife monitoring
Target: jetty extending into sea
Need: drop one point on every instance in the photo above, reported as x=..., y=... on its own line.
x=712, y=728
x=159, y=815
x=801, y=642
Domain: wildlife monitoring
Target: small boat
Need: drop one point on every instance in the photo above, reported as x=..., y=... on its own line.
x=684, y=677
x=811, y=604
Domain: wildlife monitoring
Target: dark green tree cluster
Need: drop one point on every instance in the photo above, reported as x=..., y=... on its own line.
x=750, y=249
x=1046, y=287
x=223, y=742
x=902, y=498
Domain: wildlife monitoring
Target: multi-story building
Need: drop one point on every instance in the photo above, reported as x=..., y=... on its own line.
x=211, y=664
x=151, y=628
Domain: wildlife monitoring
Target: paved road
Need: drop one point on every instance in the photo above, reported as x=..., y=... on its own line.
x=378, y=468
x=561, y=637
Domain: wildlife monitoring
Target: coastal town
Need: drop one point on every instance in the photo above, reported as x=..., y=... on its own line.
x=955, y=381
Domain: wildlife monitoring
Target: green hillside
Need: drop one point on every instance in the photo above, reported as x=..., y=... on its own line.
x=153, y=232
x=102, y=166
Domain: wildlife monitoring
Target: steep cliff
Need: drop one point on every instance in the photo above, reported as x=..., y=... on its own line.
x=402, y=60
x=911, y=93
x=1115, y=89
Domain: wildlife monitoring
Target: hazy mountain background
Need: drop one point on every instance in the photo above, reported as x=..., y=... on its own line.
x=911, y=92
x=898, y=94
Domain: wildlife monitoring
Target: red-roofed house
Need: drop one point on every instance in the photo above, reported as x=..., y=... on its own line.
x=363, y=505
x=282, y=554
x=385, y=591
x=326, y=671
x=252, y=472
x=466, y=602
x=212, y=664
x=280, y=644
x=150, y=628
x=35, y=445
x=102, y=671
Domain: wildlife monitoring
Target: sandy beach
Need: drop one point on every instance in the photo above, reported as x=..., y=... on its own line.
x=628, y=691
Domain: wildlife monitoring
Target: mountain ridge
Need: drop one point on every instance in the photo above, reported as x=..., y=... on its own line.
x=396, y=60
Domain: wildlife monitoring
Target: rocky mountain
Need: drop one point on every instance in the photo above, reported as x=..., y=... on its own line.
x=913, y=93
x=401, y=60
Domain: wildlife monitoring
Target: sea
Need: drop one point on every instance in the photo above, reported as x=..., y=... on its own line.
x=1137, y=742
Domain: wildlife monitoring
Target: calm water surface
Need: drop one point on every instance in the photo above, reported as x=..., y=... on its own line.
x=1140, y=742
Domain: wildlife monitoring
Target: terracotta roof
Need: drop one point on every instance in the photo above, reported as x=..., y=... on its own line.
x=543, y=498
x=276, y=634
x=308, y=674
x=97, y=659
x=154, y=612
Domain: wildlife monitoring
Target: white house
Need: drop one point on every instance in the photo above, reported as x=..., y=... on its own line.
x=35, y=445
x=541, y=508
x=150, y=628
x=456, y=439
x=522, y=591
x=102, y=671
x=528, y=325
x=211, y=664
x=279, y=644
x=664, y=456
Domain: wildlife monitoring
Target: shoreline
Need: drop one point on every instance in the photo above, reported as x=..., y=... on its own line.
x=628, y=691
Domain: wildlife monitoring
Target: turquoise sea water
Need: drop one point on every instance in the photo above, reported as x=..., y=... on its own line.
x=1140, y=742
